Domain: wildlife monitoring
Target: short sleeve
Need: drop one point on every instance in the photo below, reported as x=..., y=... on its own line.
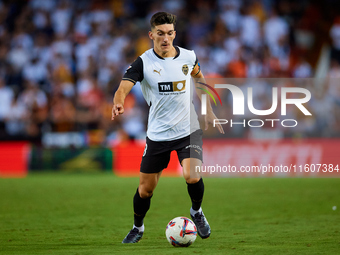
x=194, y=58
x=196, y=62
x=134, y=72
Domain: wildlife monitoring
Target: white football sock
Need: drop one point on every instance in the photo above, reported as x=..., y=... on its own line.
x=193, y=212
x=141, y=229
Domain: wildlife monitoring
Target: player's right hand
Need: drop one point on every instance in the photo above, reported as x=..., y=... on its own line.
x=116, y=110
x=209, y=119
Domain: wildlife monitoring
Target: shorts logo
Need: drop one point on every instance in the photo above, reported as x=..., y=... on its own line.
x=194, y=146
x=171, y=86
x=185, y=69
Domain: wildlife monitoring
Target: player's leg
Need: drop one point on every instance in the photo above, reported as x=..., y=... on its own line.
x=195, y=187
x=141, y=200
x=194, y=181
x=141, y=204
x=156, y=157
x=190, y=156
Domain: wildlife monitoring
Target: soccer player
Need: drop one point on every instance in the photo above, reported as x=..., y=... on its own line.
x=164, y=73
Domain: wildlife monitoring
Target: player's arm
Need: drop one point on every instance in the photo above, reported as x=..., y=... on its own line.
x=133, y=74
x=119, y=97
x=198, y=79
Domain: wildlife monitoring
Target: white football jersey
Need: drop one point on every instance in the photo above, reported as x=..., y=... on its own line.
x=166, y=86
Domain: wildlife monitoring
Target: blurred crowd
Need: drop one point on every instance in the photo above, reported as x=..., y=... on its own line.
x=62, y=60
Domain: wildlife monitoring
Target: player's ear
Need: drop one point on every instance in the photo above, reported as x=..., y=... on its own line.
x=151, y=35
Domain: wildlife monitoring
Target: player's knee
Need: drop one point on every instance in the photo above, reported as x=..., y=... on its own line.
x=145, y=192
x=190, y=179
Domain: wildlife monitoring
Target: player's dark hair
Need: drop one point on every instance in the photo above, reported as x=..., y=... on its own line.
x=161, y=18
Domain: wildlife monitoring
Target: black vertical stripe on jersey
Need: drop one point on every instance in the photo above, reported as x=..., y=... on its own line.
x=135, y=72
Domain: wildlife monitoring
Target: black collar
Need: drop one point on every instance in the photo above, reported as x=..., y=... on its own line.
x=177, y=55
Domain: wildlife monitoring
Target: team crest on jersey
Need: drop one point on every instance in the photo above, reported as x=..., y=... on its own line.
x=185, y=69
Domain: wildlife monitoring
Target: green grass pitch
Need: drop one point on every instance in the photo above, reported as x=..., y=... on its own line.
x=92, y=213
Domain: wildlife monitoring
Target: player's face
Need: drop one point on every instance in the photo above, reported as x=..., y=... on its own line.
x=163, y=37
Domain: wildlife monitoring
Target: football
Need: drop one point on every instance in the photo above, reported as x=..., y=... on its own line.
x=181, y=232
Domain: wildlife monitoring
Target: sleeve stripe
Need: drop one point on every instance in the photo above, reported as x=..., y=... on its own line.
x=199, y=69
x=197, y=72
x=128, y=79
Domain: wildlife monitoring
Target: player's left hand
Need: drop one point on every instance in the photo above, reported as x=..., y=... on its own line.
x=209, y=119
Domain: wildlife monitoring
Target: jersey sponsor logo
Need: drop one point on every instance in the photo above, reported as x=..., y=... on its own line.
x=185, y=69
x=159, y=72
x=171, y=86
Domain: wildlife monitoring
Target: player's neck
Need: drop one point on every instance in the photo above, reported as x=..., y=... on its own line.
x=168, y=54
